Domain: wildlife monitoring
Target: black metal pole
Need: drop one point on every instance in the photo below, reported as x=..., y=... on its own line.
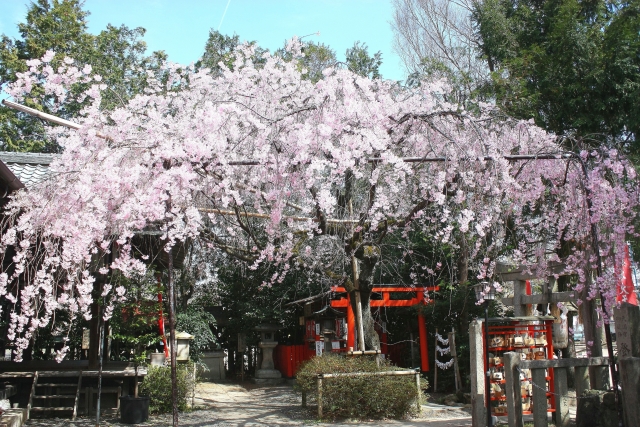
x=173, y=345
x=487, y=378
x=100, y=356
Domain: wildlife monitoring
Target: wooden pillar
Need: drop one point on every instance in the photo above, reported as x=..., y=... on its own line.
x=351, y=325
x=424, y=355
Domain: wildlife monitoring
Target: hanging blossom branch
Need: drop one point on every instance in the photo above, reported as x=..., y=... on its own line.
x=264, y=144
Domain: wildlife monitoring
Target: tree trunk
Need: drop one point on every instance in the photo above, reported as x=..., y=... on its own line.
x=371, y=338
x=367, y=257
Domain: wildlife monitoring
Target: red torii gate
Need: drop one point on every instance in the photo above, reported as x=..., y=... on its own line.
x=386, y=301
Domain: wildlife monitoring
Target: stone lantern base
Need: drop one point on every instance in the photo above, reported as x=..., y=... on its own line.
x=267, y=375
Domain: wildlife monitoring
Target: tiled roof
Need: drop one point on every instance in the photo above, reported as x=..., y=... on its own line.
x=29, y=168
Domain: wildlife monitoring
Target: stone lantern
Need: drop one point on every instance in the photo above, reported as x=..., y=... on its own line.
x=327, y=319
x=183, y=340
x=267, y=374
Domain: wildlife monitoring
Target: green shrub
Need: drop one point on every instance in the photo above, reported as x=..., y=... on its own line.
x=360, y=397
x=157, y=385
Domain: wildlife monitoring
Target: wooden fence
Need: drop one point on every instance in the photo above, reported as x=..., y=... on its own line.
x=513, y=365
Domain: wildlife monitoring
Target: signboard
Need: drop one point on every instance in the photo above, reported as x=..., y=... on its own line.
x=242, y=342
x=627, y=319
x=86, y=337
x=311, y=330
x=319, y=348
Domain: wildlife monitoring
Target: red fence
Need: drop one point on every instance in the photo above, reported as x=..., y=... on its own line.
x=287, y=358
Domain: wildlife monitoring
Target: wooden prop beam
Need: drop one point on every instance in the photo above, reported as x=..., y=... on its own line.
x=267, y=216
x=548, y=298
x=250, y=162
x=508, y=273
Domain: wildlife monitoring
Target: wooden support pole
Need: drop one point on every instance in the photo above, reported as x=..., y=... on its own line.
x=361, y=353
x=454, y=354
x=435, y=368
x=422, y=329
x=320, y=396
x=419, y=395
x=371, y=374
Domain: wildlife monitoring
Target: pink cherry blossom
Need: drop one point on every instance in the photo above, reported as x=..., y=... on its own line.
x=259, y=147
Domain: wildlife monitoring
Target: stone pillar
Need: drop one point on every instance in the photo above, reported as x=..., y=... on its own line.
x=628, y=340
x=627, y=319
x=582, y=380
x=476, y=346
x=540, y=417
x=562, y=400
x=630, y=383
x=513, y=389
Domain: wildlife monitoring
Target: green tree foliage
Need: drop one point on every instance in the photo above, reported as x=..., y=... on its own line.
x=319, y=57
x=60, y=26
x=117, y=54
x=220, y=48
x=135, y=321
x=197, y=322
x=360, y=62
x=157, y=385
x=569, y=64
x=241, y=291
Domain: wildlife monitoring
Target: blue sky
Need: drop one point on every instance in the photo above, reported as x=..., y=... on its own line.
x=181, y=27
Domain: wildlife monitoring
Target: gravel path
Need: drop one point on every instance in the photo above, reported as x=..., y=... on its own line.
x=233, y=405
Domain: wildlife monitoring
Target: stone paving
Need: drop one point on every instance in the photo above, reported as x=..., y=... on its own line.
x=233, y=405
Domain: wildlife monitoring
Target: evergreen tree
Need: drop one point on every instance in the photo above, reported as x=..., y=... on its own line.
x=571, y=65
x=360, y=62
x=117, y=54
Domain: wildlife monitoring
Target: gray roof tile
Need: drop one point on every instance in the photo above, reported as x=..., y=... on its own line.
x=29, y=168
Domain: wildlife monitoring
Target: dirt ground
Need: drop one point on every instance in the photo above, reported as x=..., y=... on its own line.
x=246, y=405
